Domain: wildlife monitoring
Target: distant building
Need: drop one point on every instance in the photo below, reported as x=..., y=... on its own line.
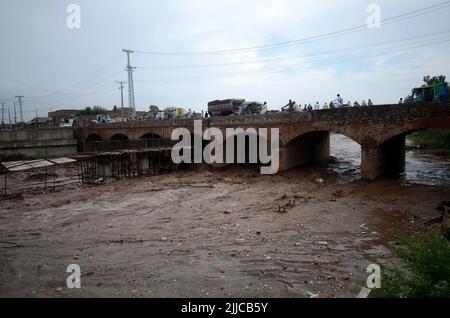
x=116, y=115
x=62, y=115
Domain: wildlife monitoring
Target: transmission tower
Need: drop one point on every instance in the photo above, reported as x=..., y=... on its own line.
x=130, y=70
x=20, y=108
x=3, y=113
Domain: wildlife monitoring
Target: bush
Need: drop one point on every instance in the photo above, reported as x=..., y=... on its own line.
x=424, y=271
x=432, y=138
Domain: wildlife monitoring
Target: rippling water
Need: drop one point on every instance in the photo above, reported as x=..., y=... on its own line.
x=422, y=167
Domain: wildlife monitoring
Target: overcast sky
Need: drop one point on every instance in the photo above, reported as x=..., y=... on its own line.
x=56, y=67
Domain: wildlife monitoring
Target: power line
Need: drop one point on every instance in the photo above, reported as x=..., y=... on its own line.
x=329, y=61
x=405, y=16
x=397, y=40
x=81, y=85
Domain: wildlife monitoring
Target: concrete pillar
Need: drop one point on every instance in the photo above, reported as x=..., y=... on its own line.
x=307, y=149
x=104, y=170
x=143, y=165
x=386, y=159
x=370, y=163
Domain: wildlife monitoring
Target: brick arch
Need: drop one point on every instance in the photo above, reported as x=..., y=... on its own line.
x=118, y=137
x=287, y=138
x=94, y=137
x=150, y=135
x=247, y=136
x=437, y=123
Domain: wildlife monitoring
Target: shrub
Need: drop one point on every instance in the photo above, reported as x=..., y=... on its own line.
x=424, y=270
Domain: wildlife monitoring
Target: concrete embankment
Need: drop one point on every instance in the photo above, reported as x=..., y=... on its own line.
x=38, y=143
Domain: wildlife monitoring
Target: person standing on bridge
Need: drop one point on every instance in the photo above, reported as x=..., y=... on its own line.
x=370, y=102
x=364, y=103
x=325, y=106
x=288, y=107
x=317, y=106
x=339, y=102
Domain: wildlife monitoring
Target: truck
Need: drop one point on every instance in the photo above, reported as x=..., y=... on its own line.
x=235, y=106
x=225, y=107
x=427, y=93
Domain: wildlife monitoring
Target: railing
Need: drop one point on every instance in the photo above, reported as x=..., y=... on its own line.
x=115, y=145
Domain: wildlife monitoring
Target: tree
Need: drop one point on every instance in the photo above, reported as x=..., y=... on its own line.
x=153, y=109
x=434, y=80
x=169, y=109
x=97, y=110
x=94, y=110
x=409, y=99
x=86, y=111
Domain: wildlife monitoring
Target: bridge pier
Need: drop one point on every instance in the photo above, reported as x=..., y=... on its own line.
x=385, y=159
x=307, y=149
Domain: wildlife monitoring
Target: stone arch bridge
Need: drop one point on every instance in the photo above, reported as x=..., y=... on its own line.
x=305, y=136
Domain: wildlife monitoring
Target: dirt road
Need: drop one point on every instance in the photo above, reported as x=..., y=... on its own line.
x=207, y=234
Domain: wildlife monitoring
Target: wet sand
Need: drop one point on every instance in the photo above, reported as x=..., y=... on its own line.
x=207, y=234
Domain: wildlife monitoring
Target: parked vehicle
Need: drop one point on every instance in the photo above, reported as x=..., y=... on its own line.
x=427, y=93
x=103, y=119
x=225, y=107
x=67, y=123
x=234, y=106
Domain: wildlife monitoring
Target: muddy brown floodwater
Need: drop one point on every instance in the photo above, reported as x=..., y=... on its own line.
x=208, y=234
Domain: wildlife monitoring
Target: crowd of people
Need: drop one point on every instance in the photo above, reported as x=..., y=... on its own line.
x=160, y=115
x=292, y=106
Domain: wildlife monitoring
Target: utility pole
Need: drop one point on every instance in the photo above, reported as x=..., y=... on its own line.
x=9, y=116
x=3, y=113
x=20, y=108
x=130, y=70
x=36, y=122
x=121, y=97
x=15, y=114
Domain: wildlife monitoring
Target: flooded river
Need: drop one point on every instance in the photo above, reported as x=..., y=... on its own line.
x=422, y=166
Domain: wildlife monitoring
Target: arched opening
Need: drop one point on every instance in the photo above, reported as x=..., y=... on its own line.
x=345, y=157
x=119, y=137
x=151, y=136
x=93, y=138
x=244, y=149
x=427, y=157
x=309, y=148
x=329, y=151
x=150, y=140
x=93, y=142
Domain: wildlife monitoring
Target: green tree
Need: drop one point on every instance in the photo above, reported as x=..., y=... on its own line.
x=434, y=80
x=169, y=109
x=94, y=110
x=86, y=111
x=153, y=109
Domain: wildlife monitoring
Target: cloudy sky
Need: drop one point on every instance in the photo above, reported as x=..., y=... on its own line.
x=54, y=66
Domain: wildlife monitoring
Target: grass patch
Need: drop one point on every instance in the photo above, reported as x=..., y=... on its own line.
x=424, y=271
x=433, y=138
